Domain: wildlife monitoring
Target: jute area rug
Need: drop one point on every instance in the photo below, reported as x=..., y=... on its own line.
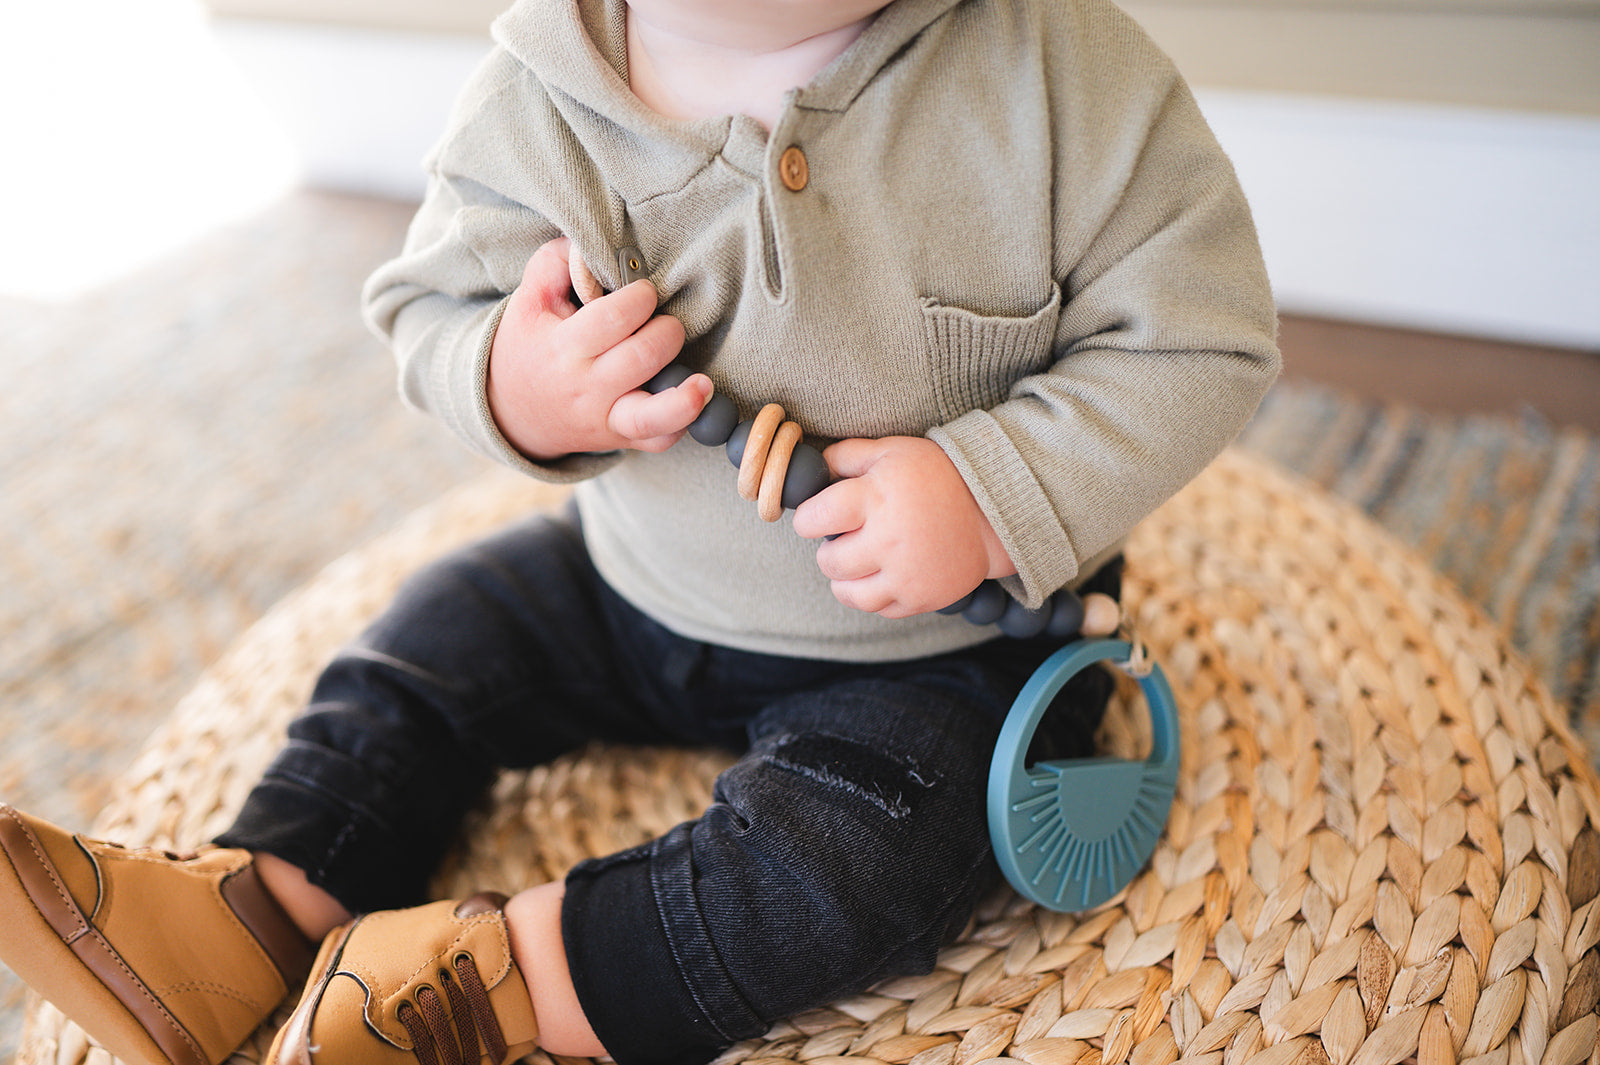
x=1383, y=847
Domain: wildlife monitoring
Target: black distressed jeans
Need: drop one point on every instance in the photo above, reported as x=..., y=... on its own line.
x=846, y=845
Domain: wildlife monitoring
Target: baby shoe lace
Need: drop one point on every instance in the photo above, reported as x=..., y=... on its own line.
x=441, y=1037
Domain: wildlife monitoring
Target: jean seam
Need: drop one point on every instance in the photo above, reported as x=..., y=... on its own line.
x=687, y=969
x=315, y=786
x=331, y=858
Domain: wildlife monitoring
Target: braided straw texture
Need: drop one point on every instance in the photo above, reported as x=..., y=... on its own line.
x=1383, y=846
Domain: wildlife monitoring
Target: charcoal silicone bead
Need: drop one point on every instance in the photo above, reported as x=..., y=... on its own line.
x=806, y=476
x=1066, y=615
x=669, y=376
x=988, y=604
x=959, y=605
x=736, y=442
x=716, y=420
x=1020, y=623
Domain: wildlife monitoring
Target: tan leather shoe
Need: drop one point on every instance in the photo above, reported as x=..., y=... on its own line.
x=160, y=958
x=435, y=984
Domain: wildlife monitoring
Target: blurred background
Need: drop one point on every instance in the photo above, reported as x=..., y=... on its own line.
x=196, y=421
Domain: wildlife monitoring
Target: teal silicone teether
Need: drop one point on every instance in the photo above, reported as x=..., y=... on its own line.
x=1070, y=834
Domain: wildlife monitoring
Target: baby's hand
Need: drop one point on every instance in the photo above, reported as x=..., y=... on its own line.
x=565, y=379
x=908, y=535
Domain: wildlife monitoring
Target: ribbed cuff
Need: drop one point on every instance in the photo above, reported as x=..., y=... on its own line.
x=459, y=396
x=1016, y=505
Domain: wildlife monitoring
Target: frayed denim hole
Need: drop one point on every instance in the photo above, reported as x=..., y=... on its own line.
x=890, y=784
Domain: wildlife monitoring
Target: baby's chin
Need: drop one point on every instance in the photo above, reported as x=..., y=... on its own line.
x=756, y=25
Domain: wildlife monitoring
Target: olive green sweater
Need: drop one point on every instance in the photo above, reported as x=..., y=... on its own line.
x=1018, y=237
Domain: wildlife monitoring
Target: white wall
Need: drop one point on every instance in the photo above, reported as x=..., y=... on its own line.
x=1446, y=218
x=1451, y=219
x=363, y=106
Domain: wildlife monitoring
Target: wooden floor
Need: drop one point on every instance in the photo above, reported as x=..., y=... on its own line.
x=1446, y=373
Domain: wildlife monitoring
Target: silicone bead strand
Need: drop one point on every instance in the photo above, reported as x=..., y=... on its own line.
x=778, y=471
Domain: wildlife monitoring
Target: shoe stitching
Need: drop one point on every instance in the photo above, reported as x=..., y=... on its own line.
x=449, y=950
x=139, y=985
x=502, y=936
x=214, y=891
x=369, y=978
x=46, y=919
x=219, y=990
x=55, y=879
x=99, y=875
x=239, y=926
x=87, y=929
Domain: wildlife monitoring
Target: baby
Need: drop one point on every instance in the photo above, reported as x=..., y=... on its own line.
x=986, y=255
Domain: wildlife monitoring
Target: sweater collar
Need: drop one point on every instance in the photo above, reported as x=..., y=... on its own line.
x=838, y=85
x=579, y=47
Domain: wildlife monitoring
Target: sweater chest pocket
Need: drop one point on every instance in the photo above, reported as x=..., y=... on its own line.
x=974, y=359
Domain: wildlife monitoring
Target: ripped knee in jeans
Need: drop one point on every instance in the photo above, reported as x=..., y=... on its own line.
x=891, y=784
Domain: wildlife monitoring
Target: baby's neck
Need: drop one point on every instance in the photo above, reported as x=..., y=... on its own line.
x=686, y=78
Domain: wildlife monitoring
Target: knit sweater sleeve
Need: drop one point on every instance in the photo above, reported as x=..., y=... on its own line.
x=1165, y=342
x=439, y=302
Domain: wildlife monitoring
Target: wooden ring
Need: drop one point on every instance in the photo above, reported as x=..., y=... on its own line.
x=1101, y=615
x=770, y=498
x=756, y=446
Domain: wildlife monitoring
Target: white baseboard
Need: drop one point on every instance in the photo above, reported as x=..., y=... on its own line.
x=1458, y=220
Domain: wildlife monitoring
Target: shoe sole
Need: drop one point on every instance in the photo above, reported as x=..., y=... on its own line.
x=32, y=948
x=292, y=1045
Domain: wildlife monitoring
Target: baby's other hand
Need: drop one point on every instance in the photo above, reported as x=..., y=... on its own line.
x=565, y=379
x=908, y=535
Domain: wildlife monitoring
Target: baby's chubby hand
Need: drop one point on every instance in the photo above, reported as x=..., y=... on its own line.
x=908, y=535
x=565, y=379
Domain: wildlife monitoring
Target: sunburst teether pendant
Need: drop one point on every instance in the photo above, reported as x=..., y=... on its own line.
x=1071, y=834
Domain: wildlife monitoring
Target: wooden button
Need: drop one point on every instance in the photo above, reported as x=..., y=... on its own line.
x=792, y=169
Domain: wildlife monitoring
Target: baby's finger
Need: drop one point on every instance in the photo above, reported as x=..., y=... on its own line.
x=638, y=416
x=837, y=509
x=848, y=558
x=613, y=318
x=637, y=358
x=867, y=595
x=853, y=457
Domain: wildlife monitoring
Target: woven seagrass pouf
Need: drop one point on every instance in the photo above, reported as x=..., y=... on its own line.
x=1383, y=846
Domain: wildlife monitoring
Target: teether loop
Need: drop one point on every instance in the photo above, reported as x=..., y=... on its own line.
x=757, y=443
x=769, y=497
x=1070, y=834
